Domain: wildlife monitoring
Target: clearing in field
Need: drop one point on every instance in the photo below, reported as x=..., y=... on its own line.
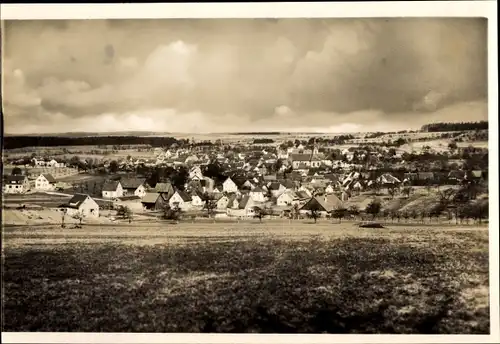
x=246, y=277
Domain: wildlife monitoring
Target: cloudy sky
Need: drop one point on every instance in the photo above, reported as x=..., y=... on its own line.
x=219, y=75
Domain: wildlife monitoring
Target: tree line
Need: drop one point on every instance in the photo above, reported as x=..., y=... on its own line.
x=13, y=142
x=459, y=126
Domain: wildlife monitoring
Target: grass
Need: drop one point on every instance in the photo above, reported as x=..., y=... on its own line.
x=356, y=281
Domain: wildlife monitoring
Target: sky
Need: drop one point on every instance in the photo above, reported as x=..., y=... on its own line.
x=226, y=75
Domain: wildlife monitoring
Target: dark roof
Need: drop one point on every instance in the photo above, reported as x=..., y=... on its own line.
x=274, y=186
x=76, y=201
x=243, y=202
x=110, y=186
x=185, y=197
x=132, y=183
x=300, y=157
x=258, y=189
x=14, y=179
x=129, y=198
x=49, y=178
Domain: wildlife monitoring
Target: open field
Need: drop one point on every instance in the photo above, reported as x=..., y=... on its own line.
x=276, y=276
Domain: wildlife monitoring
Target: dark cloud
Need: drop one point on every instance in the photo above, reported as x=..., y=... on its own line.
x=234, y=69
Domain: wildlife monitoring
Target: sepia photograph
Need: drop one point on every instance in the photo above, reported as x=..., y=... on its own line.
x=295, y=175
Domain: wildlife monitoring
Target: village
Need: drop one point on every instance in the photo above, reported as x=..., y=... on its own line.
x=260, y=179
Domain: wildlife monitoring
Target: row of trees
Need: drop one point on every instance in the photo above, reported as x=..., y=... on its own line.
x=462, y=126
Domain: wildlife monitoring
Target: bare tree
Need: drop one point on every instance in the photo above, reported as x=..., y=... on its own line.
x=80, y=217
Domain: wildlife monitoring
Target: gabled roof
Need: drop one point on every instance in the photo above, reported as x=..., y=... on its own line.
x=302, y=194
x=150, y=197
x=300, y=157
x=15, y=179
x=164, y=188
x=129, y=198
x=110, y=185
x=76, y=201
x=184, y=196
x=49, y=178
x=244, y=202
x=132, y=183
x=258, y=189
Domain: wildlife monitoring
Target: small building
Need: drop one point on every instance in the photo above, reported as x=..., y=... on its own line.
x=16, y=184
x=153, y=201
x=276, y=188
x=45, y=182
x=134, y=186
x=132, y=202
x=81, y=204
x=257, y=194
x=181, y=200
x=112, y=189
x=166, y=189
x=325, y=204
x=223, y=202
x=229, y=186
x=197, y=199
x=245, y=208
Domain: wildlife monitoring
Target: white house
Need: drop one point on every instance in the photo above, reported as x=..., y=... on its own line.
x=285, y=199
x=195, y=173
x=180, y=199
x=112, y=189
x=45, y=182
x=222, y=202
x=133, y=186
x=83, y=204
x=197, y=199
x=276, y=188
x=257, y=194
x=229, y=186
x=245, y=208
x=16, y=184
x=53, y=163
x=330, y=189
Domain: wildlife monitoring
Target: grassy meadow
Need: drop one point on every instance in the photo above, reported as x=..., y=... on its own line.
x=241, y=277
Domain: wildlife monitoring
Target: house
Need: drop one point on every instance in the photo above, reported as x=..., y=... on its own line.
x=45, y=182
x=330, y=188
x=112, y=189
x=276, y=188
x=197, y=199
x=134, y=186
x=325, y=204
x=223, y=202
x=16, y=184
x=195, y=173
x=257, y=195
x=132, y=202
x=229, y=186
x=457, y=175
x=388, y=179
x=246, y=208
x=181, y=200
x=81, y=204
x=153, y=201
x=53, y=163
x=287, y=198
x=166, y=189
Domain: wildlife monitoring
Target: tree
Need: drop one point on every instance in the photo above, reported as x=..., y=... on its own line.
x=171, y=213
x=339, y=213
x=180, y=177
x=16, y=171
x=125, y=213
x=314, y=212
x=63, y=217
x=295, y=211
x=392, y=191
x=113, y=166
x=374, y=208
x=407, y=191
x=353, y=210
x=80, y=217
x=406, y=215
x=259, y=213
x=210, y=204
